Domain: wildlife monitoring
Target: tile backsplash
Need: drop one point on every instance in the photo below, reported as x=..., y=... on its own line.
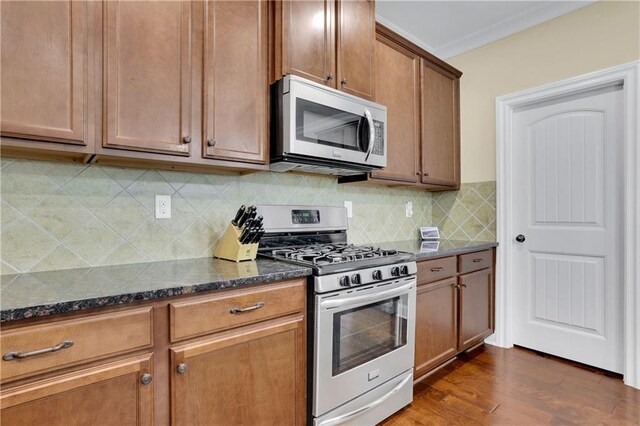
x=61, y=216
x=468, y=214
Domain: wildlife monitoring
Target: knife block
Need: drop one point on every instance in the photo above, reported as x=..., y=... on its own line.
x=229, y=247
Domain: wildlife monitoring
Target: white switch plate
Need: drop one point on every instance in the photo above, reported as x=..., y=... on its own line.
x=408, y=209
x=349, y=206
x=163, y=206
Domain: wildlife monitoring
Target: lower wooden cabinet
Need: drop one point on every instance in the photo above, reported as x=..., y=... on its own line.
x=455, y=313
x=476, y=307
x=240, y=377
x=186, y=360
x=436, y=324
x=117, y=393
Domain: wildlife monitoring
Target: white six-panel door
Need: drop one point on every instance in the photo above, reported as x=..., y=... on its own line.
x=567, y=271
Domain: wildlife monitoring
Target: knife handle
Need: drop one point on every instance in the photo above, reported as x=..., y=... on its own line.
x=235, y=220
x=243, y=218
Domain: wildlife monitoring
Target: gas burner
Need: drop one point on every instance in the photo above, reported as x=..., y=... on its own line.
x=326, y=254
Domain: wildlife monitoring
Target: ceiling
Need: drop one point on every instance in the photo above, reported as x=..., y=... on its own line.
x=448, y=28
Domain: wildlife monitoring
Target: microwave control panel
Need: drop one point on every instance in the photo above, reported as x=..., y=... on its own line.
x=378, y=139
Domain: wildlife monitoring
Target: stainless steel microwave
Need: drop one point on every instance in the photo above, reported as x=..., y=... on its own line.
x=318, y=129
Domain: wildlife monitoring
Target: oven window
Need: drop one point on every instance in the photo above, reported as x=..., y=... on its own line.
x=366, y=333
x=324, y=125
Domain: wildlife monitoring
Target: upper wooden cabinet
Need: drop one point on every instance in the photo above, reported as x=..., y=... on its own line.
x=329, y=42
x=422, y=96
x=356, y=46
x=147, y=76
x=45, y=66
x=398, y=87
x=235, y=75
x=305, y=40
x=440, y=126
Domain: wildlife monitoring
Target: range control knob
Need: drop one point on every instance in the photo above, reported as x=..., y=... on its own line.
x=404, y=270
x=344, y=281
x=377, y=274
x=395, y=271
x=355, y=279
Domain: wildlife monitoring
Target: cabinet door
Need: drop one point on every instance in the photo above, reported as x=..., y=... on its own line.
x=254, y=373
x=147, y=76
x=106, y=394
x=356, y=45
x=44, y=81
x=236, y=80
x=398, y=87
x=476, y=308
x=440, y=127
x=436, y=324
x=308, y=39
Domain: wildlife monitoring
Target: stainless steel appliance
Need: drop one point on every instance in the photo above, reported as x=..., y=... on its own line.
x=362, y=303
x=318, y=129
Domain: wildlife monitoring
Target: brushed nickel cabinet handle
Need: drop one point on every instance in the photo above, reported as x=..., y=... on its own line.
x=330, y=77
x=211, y=142
x=344, y=82
x=437, y=269
x=19, y=355
x=181, y=368
x=478, y=260
x=237, y=310
x=186, y=139
x=146, y=379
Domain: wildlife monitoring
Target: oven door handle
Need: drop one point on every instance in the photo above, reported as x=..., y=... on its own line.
x=358, y=300
x=355, y=413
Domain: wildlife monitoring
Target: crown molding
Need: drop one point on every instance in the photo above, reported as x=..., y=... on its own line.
x=396, y=29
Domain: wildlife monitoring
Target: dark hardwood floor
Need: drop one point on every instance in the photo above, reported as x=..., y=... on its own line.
x=519, y=387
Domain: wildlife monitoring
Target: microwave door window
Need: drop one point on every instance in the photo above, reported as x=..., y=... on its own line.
x=324, y=125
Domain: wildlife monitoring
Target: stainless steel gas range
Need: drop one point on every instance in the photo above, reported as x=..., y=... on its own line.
x=362, y=314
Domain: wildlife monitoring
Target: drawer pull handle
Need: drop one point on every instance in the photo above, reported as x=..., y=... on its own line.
x=247, y=309
x=478, y=260
x=437, y=269
x=19, y=355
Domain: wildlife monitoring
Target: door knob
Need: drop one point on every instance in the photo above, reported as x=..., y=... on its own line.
x=520, y=238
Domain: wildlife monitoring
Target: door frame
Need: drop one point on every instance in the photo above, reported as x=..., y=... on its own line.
x=627, y=74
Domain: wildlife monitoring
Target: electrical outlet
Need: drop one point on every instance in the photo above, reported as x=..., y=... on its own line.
x=349, y=206
x=408, y=209
x=163, y=206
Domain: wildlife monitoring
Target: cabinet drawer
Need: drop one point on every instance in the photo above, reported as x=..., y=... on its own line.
x=475, y=261
x=436, y=269
x=204, y=315
x=93, y=337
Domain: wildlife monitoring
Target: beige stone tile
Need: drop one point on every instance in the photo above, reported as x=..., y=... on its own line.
x=199, y=193
x=60, y=258
x=24, y=244
x=123, y=255
x=471, y=200
x=147, y=187
x=61, y=173
x=182, y=215
x=153, y=240
x=124, y=214
x=24, y=185
x=200, y=238
x=93, y=241
x=459, y=234
x=6, y=269
x=486, y=189
x=124, y=176
x=93, y=187
x=458, y=213
x=7, y=214
x=485, y=214
x=176, y=179
x=485, y=235
x=60, y=214
x=472, y=227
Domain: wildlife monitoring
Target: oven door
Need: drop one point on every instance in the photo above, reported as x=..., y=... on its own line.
x=364, y=337
x=331, y=125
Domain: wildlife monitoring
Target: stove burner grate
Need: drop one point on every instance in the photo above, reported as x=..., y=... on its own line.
x=325, y=254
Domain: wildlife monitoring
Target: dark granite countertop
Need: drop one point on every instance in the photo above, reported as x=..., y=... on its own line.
x=39, y=294
x=437, y=248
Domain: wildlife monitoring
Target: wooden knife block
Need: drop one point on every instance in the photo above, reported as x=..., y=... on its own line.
x=229, y=247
